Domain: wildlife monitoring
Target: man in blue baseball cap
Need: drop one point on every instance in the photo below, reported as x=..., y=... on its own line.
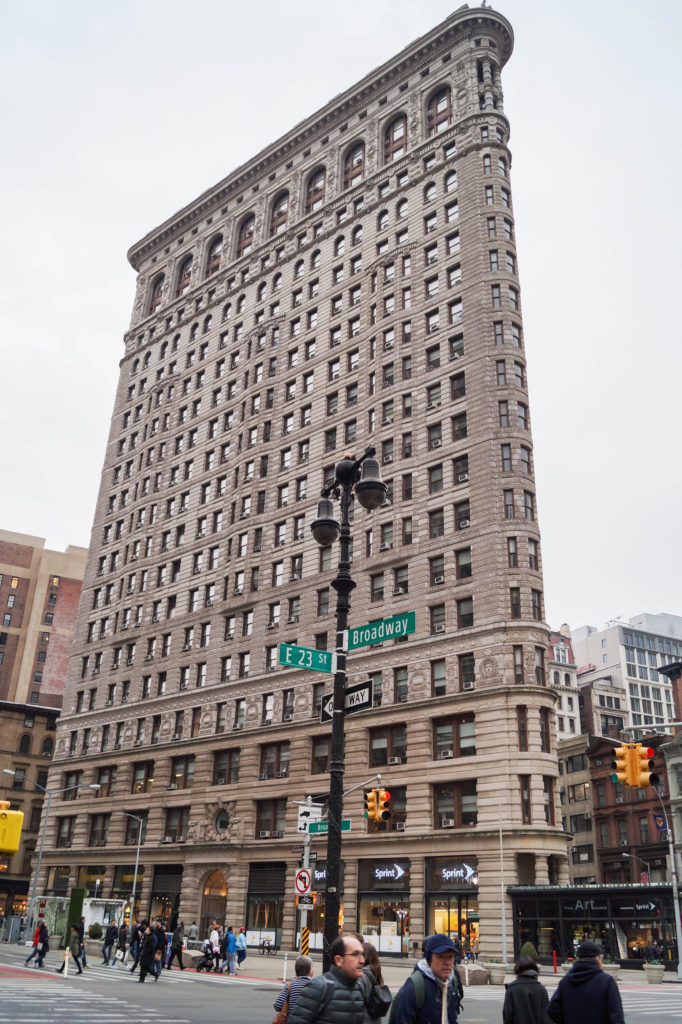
x=430, y=994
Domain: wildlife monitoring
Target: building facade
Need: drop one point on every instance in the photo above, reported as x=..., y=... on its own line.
x=354, y=283
x=39, y=594
x=563, y=679
x=627, y=656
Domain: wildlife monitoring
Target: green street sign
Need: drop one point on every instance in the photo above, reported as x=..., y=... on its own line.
x=307, y=657
x=321, y=828
x=384, y=629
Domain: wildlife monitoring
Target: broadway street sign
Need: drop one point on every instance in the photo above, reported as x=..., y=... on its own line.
x=321, y=828
x=384, y=629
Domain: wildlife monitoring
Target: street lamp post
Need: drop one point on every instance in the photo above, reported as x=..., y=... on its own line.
x=49, y=793
x=363, y=477
x=631, y=856
x=139, y=821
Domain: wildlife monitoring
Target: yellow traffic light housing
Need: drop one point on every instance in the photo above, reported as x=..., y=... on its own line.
x=371, y=797
x=622, y=765
x=10, y=828
x=644, y=767
x=383, y=810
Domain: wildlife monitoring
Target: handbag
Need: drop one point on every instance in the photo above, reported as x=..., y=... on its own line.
x=119, y=954
x=39, y=947
x=281, y=1015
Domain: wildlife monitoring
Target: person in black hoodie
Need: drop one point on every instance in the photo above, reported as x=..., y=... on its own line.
x=586, y=995
x=526, y=999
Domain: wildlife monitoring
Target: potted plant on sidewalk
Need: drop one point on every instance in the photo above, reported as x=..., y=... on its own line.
x=654, y=971
x=496, y=969
x=610, y=967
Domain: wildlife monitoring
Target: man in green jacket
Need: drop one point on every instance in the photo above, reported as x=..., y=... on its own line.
x=334, y=997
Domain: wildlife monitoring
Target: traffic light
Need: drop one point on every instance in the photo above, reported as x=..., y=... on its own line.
x=644, y=767
x=371, y=797
x=622, y=765
x=10, y=828
x=383, y=810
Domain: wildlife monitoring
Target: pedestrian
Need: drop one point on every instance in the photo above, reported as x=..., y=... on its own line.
x=74, y=949
x=110, y=937
x=140, y=933
x=291, y=990
x=121, y=945
x=193, y=932
x=431, y=994
x=526, y=999
x=586, y=995
x=376, y=996
x=81, y=935
x=230, y=950
x=334, y=997
x=147, y=953
x=177, y=943
x=131, y=951
x=36, y=940
x=160, y=954
x=241, y=947
x=43, y=944
x=214, y=939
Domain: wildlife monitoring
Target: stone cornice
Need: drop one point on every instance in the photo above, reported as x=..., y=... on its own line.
x=337, y=111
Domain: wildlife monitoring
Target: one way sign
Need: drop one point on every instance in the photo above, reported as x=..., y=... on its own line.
x=358, y=698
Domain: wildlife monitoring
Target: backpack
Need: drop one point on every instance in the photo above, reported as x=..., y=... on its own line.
x=417, y=979
x=377, y=998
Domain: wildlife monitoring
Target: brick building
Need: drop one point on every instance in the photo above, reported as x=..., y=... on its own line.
x=355, y=282
x=39, y=594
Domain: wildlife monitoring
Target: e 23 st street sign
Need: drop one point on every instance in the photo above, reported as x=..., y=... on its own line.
x=308, y=658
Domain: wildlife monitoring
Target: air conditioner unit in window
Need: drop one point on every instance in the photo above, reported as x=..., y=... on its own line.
x=137, y=743
x=238, y=591
x=464, y=524
x=439, y=627
x=401, y=698
x=109, y=702
x=396, y=760
x=385, y=547
x=294, y=576
x=624, y=842
x=467, y=684
x=436, y=443
x=278, y=835
x=271, y=625
x=619, y=800
x=397, y=591
x=292, y=620
x=284, y=502
x=176, y=736
x=166, y=839
x=172, y=785
x=208, y=603
x=437, y=580
x=446, y=753
x=287, y=716
x=263, y=835
x=387, y=459
x=238, y=725
x=400, y=826
x=462, y=478
x=446, y=822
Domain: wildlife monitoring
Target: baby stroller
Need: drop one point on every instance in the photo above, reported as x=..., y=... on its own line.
x=206, y=962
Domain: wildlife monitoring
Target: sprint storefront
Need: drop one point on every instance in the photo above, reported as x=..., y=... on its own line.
x=384, y=904
x=452, y=899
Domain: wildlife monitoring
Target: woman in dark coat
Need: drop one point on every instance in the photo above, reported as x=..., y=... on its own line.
x=526, y=999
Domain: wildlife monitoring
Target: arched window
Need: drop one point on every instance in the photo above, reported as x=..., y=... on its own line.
x=555, y=677
x=401, y=209
x=215, y=251
x=450, y=181
x=245, y=237
x=395, y=139
x=184, y=277
x=430, y=192
x=25, y=745
x=382, y=220
x=207, y=323
x=227, y=311
x=194, y=331
x=241, y=302
x=314, y=194
x=315, y=260
x=298, y=271
x=439, y=111
x=135, y=367
x=279, y=214
x=567, y=679
x=260, y=291
x=277, y=279
x=356, y=237
x=163, y=351
x=47, y=747
x=157, y=293
x=354, y=165
x=339, y=246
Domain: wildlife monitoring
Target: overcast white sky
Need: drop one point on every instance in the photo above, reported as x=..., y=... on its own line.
x=114, y=115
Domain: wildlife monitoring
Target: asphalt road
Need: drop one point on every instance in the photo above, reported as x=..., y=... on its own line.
x=113, y=996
